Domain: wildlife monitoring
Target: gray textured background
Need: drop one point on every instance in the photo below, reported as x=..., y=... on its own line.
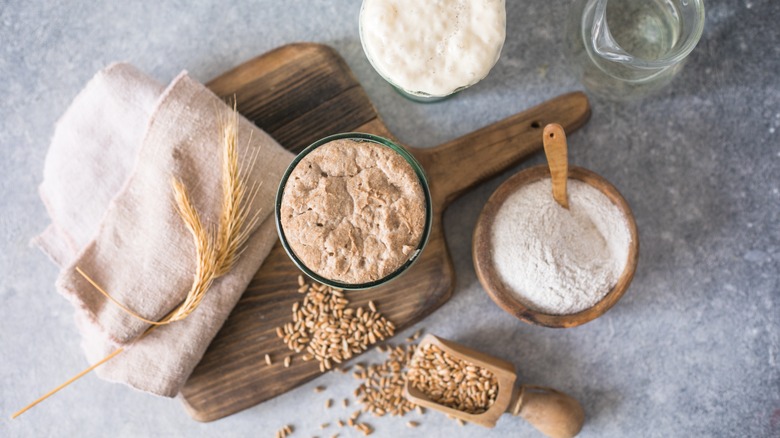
x=691, y=350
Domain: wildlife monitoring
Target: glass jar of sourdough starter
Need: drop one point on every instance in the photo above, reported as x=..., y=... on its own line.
x=623, y=49
x=430, y=50
x=339, y=218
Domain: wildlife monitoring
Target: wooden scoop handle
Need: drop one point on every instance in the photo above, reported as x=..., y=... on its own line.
x=552, y=412
x=557, y=158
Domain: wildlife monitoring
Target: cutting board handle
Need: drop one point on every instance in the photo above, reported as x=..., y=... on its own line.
x=466, y=161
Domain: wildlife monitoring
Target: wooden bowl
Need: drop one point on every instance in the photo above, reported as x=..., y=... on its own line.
x=501, y=294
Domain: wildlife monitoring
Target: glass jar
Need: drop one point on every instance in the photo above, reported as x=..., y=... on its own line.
x=423, y=180
x=431, y=50
x=624, y=49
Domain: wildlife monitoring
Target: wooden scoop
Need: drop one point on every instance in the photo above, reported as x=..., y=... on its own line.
x=555, y=414
x=555, y=149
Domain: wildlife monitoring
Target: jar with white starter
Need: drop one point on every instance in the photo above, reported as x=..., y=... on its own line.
x=428, y=50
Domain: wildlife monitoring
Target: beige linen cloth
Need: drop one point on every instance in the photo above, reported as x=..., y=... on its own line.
x=107, y=189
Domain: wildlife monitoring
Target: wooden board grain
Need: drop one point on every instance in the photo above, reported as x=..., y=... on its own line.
x=298, y=94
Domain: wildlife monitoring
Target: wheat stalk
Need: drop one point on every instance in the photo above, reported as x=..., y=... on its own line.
x=216, y=249
x=235, y=223
x=206, y=252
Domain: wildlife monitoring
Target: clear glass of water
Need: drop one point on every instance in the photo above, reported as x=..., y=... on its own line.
x=624, y=49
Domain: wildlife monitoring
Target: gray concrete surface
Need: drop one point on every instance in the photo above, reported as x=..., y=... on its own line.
x=691, y=350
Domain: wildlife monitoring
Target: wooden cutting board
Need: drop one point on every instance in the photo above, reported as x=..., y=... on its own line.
x=302, y=92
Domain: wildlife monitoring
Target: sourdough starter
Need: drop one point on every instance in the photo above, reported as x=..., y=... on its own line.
x=353, y=212
x=433, y=47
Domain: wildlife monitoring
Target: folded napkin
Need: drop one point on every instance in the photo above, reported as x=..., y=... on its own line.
x=107, y=188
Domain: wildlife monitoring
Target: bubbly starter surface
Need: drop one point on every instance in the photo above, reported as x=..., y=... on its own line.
x=433, y=47
x=353, y=212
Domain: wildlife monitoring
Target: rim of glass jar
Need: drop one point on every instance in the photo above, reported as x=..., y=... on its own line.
x=418, y=170
x=675, y=56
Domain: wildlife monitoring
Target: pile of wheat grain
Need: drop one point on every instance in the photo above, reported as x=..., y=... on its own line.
x=328, y=330
x=452, y=382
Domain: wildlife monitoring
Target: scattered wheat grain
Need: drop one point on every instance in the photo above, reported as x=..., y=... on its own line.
x=328, y=331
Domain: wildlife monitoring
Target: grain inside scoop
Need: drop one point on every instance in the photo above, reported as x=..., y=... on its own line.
x=552, y=412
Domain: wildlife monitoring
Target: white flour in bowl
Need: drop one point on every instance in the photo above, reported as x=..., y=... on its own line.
x=560, y=261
